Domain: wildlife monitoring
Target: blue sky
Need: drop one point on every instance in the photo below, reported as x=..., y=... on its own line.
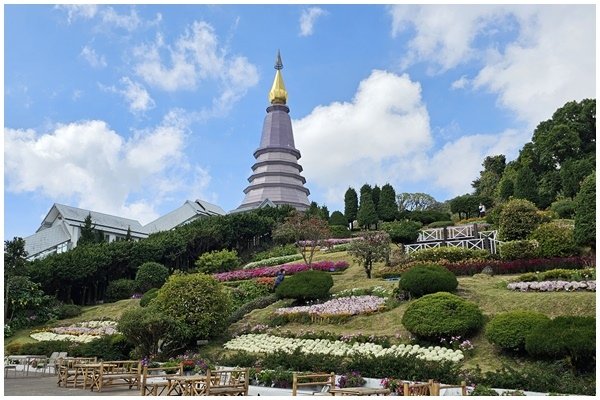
x=131, y=110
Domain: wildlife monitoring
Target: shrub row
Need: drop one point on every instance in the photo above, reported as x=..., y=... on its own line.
x=269, y=262
x=277, y=251
x=260, y=302
x=564, y=274
x=452, y=254
x=471, y=267
x=424, y=279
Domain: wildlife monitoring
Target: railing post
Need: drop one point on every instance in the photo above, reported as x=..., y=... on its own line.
x=444, y=235
x=475, y=230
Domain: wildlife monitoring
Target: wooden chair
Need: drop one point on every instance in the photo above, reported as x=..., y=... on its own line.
x=68, y=375
x=419, y=389
x=327, y=381
x=227, y=382
x=113, y=373
x=437, y=387
x=154, y=380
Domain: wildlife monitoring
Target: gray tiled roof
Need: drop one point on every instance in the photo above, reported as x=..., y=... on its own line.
x=46, y=239
x=99, y=219
x=189, y=211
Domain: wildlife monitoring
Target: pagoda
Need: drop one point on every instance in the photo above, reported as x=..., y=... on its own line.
x=276, y=175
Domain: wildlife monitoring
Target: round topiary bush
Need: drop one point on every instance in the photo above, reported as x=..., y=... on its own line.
x=508, y=330
x=120, y=289
x=518, y=219
x=564, y=208
x=151, y=275
x=572, y=337
x=519, y=249
x=424, y=279
x=218, y=261
x=555, y=240
x=65, y=311
x=149, y=295
x=306, y=285
x=442, y=314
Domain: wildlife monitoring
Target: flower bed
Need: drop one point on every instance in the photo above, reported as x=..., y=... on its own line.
x=269, y=262
x=553, y=286
x=81, y=332
x=289, y=269
x=375, y=291
x=263, y=343
x=328, y=242
x=343, y=306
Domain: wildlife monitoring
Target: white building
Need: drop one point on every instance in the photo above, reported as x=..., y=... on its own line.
x=61, y=228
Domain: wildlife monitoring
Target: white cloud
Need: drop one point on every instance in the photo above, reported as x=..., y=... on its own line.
x=137, y=96
x=550, y=61
x=90, y=55
x=75, y=11
x=308, y=18
x=129, y=22
x=93, y=164
x=196, y=56
x=460, y=83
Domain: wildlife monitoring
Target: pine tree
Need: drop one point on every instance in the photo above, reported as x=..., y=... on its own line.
x=526, y=185
x=387, y=203
x=367, y=215
x=128, y=237
x=88, y=234
x=585, y=213
x=376, y=194
x=350, y=204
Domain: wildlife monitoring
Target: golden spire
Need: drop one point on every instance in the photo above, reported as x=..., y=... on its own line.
x=278, y=94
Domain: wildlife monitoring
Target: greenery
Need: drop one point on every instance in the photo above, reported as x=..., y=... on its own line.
x=367, y=213
x=482, y=390
x=555, y=240
x=276, y=251
x=585, y=213
x=402, y=232
x=199, y=304
x=270, y=262
x=441, y=314
x=260, y=302
x=150, y=331
x=565, y=336
x=387, y=207
x=508, y=330
x=350, y=204
x=247, y=291
x=564, y=274
x=425, y=279
x=440, y=224
x=66, y=311
x=373, y=247
x=339, y=232
x=465, y=206
x=564, y=208
x=306, y=285
x=306, y=231
x=337, y=218
x=452, y=254
x=120, y=289
x=148, y=296
x=519, y=249
x=217, y=261
x=151, y=275
x=517, y=220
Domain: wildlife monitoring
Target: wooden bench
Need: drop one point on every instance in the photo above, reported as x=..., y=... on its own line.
x=326, y=380
x=114, y=373
x=227, y=382
x=154, y=380
x=68, y=375
x=437, y=387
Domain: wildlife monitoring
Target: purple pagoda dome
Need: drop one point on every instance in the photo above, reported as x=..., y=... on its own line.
x=276, y=175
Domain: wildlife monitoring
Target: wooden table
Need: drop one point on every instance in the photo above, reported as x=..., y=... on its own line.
x=187, y=385
x=359, y=391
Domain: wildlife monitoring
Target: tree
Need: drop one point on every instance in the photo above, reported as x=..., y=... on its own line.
x=373, y=247
x=415, y=202
x=518, y=219
x=573, y=172
x=89, y=234
x=465, y=205
x=337, y=218
x=367, y=215
x=324, y=213
x=151, y=275
x=307, y=232
x=149, y=330
x=402, y=232
x=376, y=194
x=526, y=185
x=489, y=178
x=14, y=265
x=585, y=213
x=350, y=204
x=366, y=189
x=387, y=203
x=128, y=237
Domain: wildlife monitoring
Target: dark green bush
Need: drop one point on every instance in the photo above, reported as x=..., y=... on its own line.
x=440, y=224
x=519, y=217
x=424, y=217
x=564, y=208
x=109, y=347
x=585, y=212
x=567, y=336
x=276, y=251
x=151, y=275
x=217, y=261
x=452, y=254
x=257, y=303
x=46, y=347
x=247, y=291
x=65, y=311
x=442, y=314
x=120, y=289
x=149, y=295
x=306, y=285
x=492, y=217
x=339, y=231
x=555, y=240
x=339, y=219
x=519, y=249
x=508, y=330
x=146, y=327
x=482, y=390
x=424, y=279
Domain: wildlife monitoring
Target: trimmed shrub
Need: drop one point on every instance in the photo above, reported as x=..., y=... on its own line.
x=151, y=275
x=442, y=314
x=564, y=208
x=555, y=240
x=65, y=311
x=217, y=261
x=339, y=219
x=426, y=279
x=149, y=295
x=440, y=224
x=120, y=289
x=339, y=231
x=492, y=217
x=109, y=347
x=572, y=337
x=585, y=213
x=518, y=249
x=518, y=219
x=247, y=291
x=277, y=251
x=508, y=330
x=146, y=328
x=452, y=254
x=402, y=232
x=260, y=302
x=198, y=302
x=306, y=285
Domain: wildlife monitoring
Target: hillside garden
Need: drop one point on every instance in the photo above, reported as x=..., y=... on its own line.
x=352, y=300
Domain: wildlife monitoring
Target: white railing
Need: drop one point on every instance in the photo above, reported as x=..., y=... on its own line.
x=431, y=235
x=409, y=248
x=457, y=232
x=472, y=244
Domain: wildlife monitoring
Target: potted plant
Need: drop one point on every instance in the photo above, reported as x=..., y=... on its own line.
x=352, y=379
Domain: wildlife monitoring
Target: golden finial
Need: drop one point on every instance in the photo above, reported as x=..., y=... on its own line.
x=278, y=94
